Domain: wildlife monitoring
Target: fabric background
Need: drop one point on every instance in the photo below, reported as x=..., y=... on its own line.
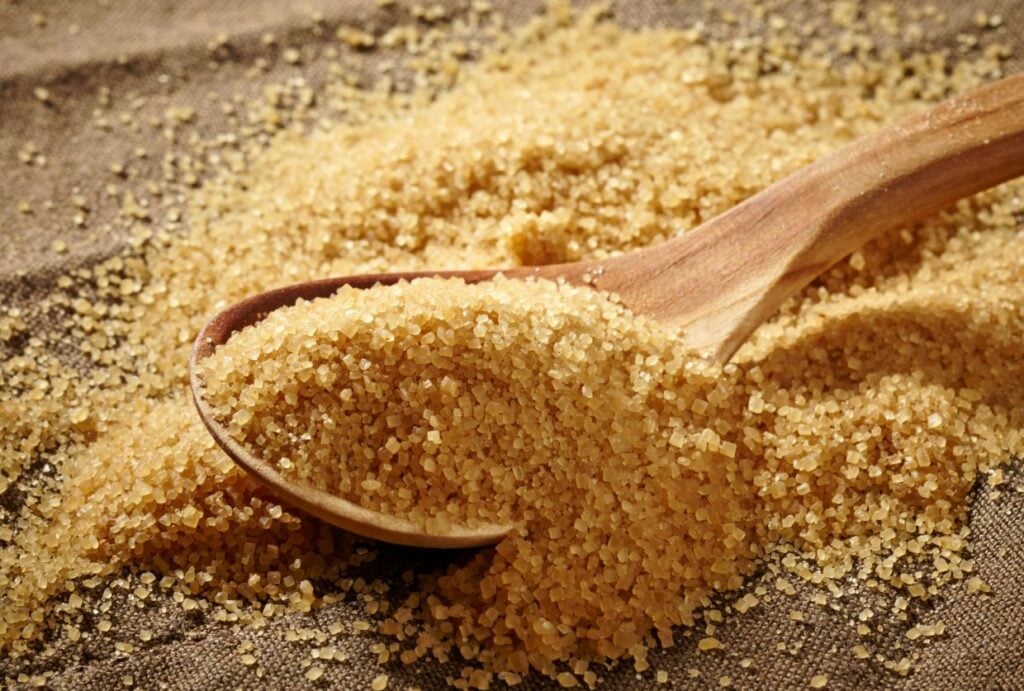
x=159, y=50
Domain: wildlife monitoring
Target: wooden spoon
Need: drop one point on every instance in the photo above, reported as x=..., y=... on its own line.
x=718, y=281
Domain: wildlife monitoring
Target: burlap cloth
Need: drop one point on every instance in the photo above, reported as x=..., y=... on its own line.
x=160, y=50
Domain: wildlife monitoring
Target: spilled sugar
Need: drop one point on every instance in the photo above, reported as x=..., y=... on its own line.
x=853, y=424
x=640, y=479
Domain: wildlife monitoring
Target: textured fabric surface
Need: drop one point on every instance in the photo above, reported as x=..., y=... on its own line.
x=159, y=50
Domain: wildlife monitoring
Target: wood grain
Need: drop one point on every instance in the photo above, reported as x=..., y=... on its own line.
x=721, y=280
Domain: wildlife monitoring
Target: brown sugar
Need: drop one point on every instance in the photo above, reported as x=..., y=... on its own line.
x=848, y=432
x=533, y=403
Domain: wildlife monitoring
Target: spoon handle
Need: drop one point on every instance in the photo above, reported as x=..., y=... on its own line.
x=723, y=279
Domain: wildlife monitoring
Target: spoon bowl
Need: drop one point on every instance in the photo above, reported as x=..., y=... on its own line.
x=718, y=281
x=324, y=505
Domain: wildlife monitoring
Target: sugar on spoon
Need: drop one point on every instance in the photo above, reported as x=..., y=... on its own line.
x=718, y=281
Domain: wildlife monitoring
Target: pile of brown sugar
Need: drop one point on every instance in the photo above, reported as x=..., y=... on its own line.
x=612, y=449
x=640, y=479
x=842, y=443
